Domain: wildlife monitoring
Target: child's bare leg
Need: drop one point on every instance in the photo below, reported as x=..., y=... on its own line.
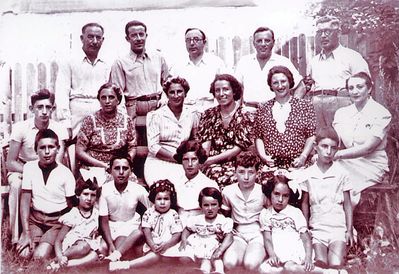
x=336, y=254
x=254, y=255
x=266, y=268
x=145, y=260
x=89, y=258
x=206, y=266
x=78, y=250
x=292, y=267
x=123, y=244
x=219, y=267
x=234, y=255
x=321, y=255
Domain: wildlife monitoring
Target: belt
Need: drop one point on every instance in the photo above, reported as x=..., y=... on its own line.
x=143, y=98
x=330, y=92
x=54, y=214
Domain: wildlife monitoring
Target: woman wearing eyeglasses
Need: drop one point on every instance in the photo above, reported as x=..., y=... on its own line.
x=224, y=130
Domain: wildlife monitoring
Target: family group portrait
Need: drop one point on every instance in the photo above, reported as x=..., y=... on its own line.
x=196, y=136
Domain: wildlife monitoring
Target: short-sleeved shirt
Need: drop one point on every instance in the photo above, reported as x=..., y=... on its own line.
x=188, y=190
x=243, y=211
x=164, y=130
x=162, y=225
x=327, y=187
x=139, y=75
x=85, y=227
x=199, y=76
x=331, y=72
x=51, y=196
x=24, y=132
x=122, y=206
x=290, y=220
x=254, y=79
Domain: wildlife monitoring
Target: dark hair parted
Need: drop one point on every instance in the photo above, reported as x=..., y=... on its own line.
x=362, y=75
x=161, y=186
x=121, y=155
x=235, y=85
x=283, y=70
x=42, y=94
x=112, y=87
x=46, y=133
x=326, y=132
x=92, y=25
x=247, y=159
x=134, y=23
x=262, y=29
x=81, y=185
x=176, y=80
x=210, y=192
x=268, y=188
x=202, y=33
x=187, y=146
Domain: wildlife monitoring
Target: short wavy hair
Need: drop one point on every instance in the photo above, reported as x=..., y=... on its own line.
x=210, y=192
x=283, y=70
x=112, y=87
x=176, y=80
x=247, y=159
x=134, y=23
x=235, y=85
x=187, y=146
x=46, y=133
x=268, y=188
x=362, y=75
x=42, y=94
x=327, y=132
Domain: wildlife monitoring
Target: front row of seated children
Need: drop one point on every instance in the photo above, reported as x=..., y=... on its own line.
x=264, y=232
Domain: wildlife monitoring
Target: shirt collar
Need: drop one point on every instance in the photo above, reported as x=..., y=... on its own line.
x=134, y=56
x=204, y=60
x=332, y=55
x=86, y=60
x=117, y=192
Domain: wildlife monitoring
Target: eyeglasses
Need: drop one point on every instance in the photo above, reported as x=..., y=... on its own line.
x=196, y=40
x=327, y=32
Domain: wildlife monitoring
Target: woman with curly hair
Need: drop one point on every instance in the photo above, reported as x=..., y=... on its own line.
x=224, y=130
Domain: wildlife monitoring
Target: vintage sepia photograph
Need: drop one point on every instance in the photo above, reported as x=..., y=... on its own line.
x=198, y=136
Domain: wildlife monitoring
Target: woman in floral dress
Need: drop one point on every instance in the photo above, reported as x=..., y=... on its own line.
x=284, y=126
x=224, y=130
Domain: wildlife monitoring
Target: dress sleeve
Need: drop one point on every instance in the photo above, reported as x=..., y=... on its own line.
x=176, y=225
x=379, y=127
x=69, y=218
x=300, y=221
x=85, y=132
x=264, y=220
x=205, y=127
x=153, y=132
x=145, y=221
x=310, y=118
x=227, y=227
x=242, y=130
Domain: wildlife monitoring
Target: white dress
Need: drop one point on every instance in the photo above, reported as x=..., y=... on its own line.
x=355, y=128
x=82, y=229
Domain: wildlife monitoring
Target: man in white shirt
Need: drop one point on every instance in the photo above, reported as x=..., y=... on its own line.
x=199, y=69
x=329, y=70
x=80, y=78
x=252, y=70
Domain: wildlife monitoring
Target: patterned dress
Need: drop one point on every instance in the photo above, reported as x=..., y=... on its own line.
x=102, y=137
x=286, y=146
x=236, y=134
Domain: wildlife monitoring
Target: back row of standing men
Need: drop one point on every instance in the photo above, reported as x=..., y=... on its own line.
x=141, y=72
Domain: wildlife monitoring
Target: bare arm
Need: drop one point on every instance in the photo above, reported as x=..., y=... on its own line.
x=300, y=90
x=273, y=259
x=165, y=155
x=25, y=238
x=172, y=241
x=301, y=159
x=307, y=244
x=184, y=237
x=227, y=241
x=225, y=156
x=305, y=206
x=348, y=218
x=13, y=165
x=148, y=238
x=104, y=224
x=359, y=151
x=62, y=260
x=81, y=152
x=260, y=148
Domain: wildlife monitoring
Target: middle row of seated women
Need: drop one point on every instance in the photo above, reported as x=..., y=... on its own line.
x=282, y=129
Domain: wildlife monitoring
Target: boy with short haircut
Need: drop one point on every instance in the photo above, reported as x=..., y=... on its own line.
x=326, y=203
x=49, y=187
x=244, y=201
x=22, y=149
x=119, y=198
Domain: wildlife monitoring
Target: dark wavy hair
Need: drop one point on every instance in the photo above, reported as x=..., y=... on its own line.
x=247, y=159
x=268, y=188
x=161, y=186
x=262, y=29
x=187, y=146
x=42, y=94
x=283, y=70
x=81, y=185
x=112, y=87
x=176, y=80
x=210, y=192
x=46, y=133
x=235, y=85
x=121, y=155
x=362, y=75
x=326, y=132
x=134, y=23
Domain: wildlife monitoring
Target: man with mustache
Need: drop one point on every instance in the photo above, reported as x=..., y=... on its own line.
x=252, y=70
x=141, y=73
x=199, y=69
x=329, y=70
x=79, y=78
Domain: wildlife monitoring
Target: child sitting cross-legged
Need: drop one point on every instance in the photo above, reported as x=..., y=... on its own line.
x=161, y=226
x=285, y=232
x=209, y=234
x=78, y=241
